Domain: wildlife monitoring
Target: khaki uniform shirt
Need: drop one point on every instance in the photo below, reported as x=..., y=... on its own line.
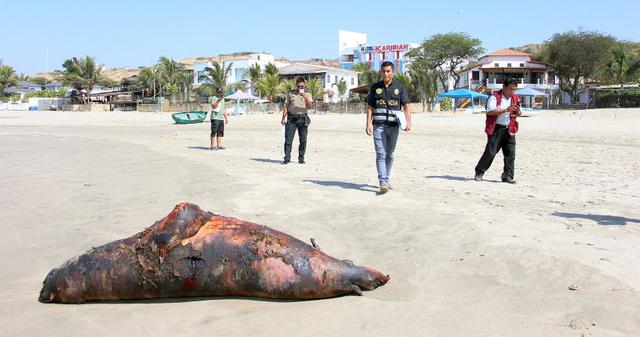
x=296, y=104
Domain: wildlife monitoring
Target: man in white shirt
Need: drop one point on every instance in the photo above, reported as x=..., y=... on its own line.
x=501, y=126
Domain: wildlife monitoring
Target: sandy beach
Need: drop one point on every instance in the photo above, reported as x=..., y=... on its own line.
x=465, y=258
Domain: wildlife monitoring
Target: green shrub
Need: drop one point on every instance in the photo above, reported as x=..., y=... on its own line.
x=609, y=98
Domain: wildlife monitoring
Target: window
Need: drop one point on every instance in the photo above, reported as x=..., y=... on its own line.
x=508, y=65
x=239, y=73
x=521, y=65
x=475, y=75
x=335, y=79
x=496, y=65
x=258, y=57
x=328, y=78
x=353, y=81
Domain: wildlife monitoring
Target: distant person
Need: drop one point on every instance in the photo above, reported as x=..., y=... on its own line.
x=295, y=117
x=503, y=107
x=388, y=100
x=218, y=120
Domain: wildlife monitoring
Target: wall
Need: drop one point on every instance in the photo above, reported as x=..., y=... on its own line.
x=86, y=107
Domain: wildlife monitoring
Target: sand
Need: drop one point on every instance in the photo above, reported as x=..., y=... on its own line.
x=465, y=258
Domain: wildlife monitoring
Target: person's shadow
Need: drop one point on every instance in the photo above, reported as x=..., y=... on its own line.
x=200, y=148
x=456, y=178
x=605, y=220
x=342, y=184
x=267, y=160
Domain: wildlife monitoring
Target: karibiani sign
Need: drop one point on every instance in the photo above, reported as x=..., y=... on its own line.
x=385, y=48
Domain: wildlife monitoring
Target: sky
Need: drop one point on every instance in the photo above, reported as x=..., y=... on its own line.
x=39, y=35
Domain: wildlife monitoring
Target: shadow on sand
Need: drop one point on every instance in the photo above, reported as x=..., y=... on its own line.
x=267, y=160
x=456, y=178
x=200, y=148
x=605, y=220
x=345, y=185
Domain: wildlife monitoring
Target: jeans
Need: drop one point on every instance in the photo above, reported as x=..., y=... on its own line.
x=385, y=138
x=500, y=139
x=295, y=123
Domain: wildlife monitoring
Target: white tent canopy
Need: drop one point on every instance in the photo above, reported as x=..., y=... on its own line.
x=241, y=95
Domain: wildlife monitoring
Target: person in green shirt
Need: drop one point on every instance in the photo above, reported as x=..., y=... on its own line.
x=218, y=119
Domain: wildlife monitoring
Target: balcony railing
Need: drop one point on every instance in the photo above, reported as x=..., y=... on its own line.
x=538, y=84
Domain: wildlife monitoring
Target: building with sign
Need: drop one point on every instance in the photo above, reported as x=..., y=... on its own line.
x=354, y=49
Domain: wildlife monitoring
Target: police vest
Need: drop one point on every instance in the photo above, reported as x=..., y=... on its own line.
x=387, y=104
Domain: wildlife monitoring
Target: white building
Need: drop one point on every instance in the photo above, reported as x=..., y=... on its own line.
x=328, y=76
x=492, y=69
x=353, y=49
x=240, y=63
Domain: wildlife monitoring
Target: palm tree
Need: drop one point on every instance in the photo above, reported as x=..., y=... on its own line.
x=81, y=73
x=253, y=74
x=8, y=77
x=288, y=85
x=171, y=76
x=149, y=78
x=269, y=84
x=366, y=75
x=185, y=82
x=217, y=74
x=315, y=88
x=271, y=69
x=621, y=68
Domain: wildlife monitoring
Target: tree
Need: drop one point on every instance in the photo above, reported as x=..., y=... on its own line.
x=576, y=57
x=185, y=83
x=8, y=77
x=40, y=80
x=621, y=67
x=445, y=54
x=366, y=76
x=172, y=78
x=425, y=82
x=271, y=68
x=315, y=88
x=288, y=85
x=269, y=84
x=408, y=84
x=81, y=73
x=342, y=90
x=217, y=74
x=149, y=79
x=253, y=74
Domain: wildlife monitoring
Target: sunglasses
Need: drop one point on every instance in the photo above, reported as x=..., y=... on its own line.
x=301, y=87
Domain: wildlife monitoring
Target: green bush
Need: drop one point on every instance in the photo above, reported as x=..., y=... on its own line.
x=446, y=104
x=47, y=93
x=609, y=99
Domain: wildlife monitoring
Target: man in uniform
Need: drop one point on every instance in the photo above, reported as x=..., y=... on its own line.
x=388, y=99
x=294, y=116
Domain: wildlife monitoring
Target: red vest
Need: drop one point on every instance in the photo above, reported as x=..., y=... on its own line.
x=491, y=120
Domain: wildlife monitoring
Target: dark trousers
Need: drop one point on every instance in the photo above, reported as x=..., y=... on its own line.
x=500, y=139
x=295, y=123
